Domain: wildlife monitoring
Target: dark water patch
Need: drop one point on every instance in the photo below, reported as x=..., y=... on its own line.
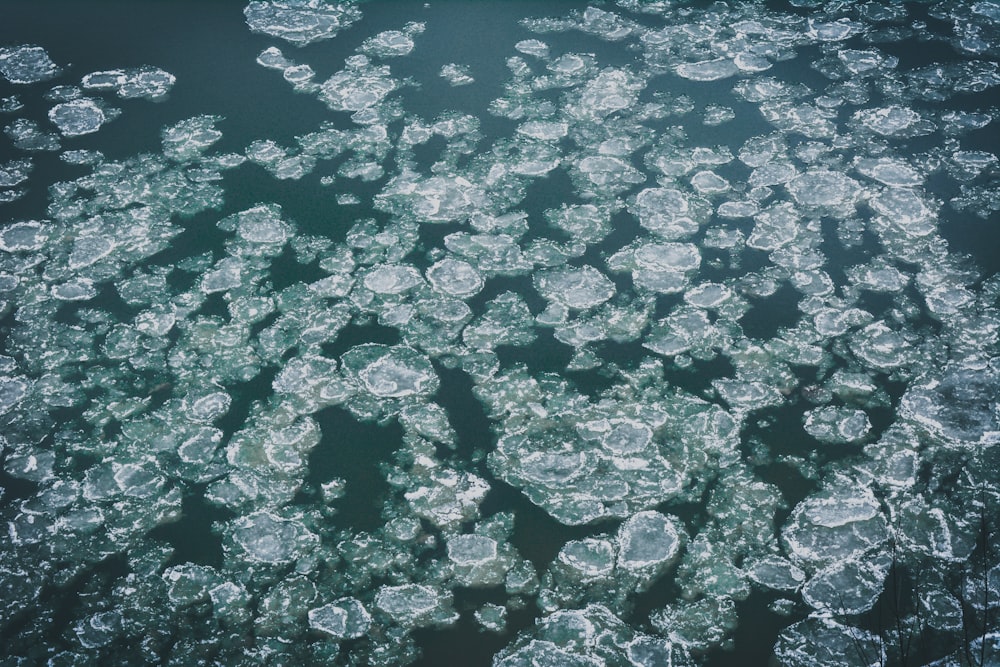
x=467, y=644
x=465, y=414
x=756, y=634
x=244, y=395
x=359, y=333
x=354, y=451
x=772, y=314
x=193, y=537
x=544, y=355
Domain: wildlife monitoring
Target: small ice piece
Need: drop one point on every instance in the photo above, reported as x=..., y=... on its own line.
x=841, y=522
x=708, y=295
x=881, y=348
x=27, y=135
x=961, y=408
x=300, y=22
x=821, y=641
x=414, y=605
x=342, y=619
x=707, y=70
x=151, y=83
x=894, y=172
x=456, y=75
x=15, y=172
x=585, y=561
x=88, y=249
x=776, y=573
x=476, y=561
x=648, y=543
x=358, y=87
x=12, y=391
x=28, y=236
x=821, y=188
x=79, y=289
x=716, y=114
x=391, y=372
x=533, y=47
x=392, y=279
x=667, y=212
x=544, y=130
x=847, y=587
x=709, y=183
x=575, y=287
x=99, y=630
x=267, y=538
x=893, y=121
x=832, y=31
x=188, y=139
x=388, y=44
x=837, y=425
x=261, y=224
x=76, y=117
x=26, y=64
x=455, y=277
x=209, y=407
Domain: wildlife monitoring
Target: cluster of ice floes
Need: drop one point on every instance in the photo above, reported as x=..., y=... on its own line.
x=740, y=360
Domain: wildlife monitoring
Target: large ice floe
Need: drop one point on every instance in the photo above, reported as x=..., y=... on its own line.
x=636, y=333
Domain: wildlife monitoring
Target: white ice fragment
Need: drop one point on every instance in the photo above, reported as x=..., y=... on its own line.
x=822, y=188
x=456, y=75
x=89, y=249
x=357, y=88
x=388, y=44
x=455, y=277
x=575, y=287
x=26, y=64
x=707, y=70
x=345, y=618
x=267, y=538
x=414, y=605
x=300, y=22
x=533, y=47
x=544, y=130
x=391, y=372
x=837, y=425
x=893, y=121
x=80, y=116
x=847, y=587
x=392, y=279
x=151, y=83
x=26, y=236
x=12, y=392
x=648, y=541
x=78, y=289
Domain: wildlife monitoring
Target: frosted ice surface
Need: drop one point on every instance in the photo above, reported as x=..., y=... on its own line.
x=300, y=22
x=79, y=289
x=27, y=135
x=960, y=407
x=151, y=83
x=838, y=523
x=846, y=587
x=14, y=172
x=357, y=88
x=76, y=117
x=776, y=573
x=647, y=541
x=388, y=44
x=575, y=287
x=26, y=64
x=587, y=560
x=837, y=425
x=667, y=212
x=12, y=391
x=533, y=47
x=708, y=70
x=391, y=372
x=26, y=236
x=893, y=121
x=455, y=277
x=456, y=75
x=345, y=618
x=414, y=605
x=820, y=641
x=895, y=173
x=392, y=279
x=267, y=538
x=821, y=188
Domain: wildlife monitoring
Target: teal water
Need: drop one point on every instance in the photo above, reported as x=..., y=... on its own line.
x=214, y=465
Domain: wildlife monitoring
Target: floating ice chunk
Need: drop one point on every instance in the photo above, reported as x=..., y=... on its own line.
x=610, y=91
x=841, y=522
x=708, y=70
x=575, y=287
x=847, y=587
x=415, y=605
x=544, y=130
x=456, y=75
x=709, y=183
x=748, y=394
x=717, y=115
x=893, y=121
x=227, y=275
x=267, y=538
x=199, y=449
x=648, y=543
x=858, y=61
x=151, y=83
x=189, y=138
x=837, y=425
x=708, y=295
x=895, y=173
x=388, y=44
x=833, y=31
x=76, y=117
x=477, y=561
x=821, y=188
x=14, y=172
x=960, y=408
x=79, y=289
x=209, y=407
x=88, y=249
x=261, y=225
x=300, y=21
x=26, y=64
x=455, y=277
x=585, y=561
x=533, y=47
x=360, y=86
x=12, y=392
x=447, y=498
x=28, y=236
x=392, y=279
x=345, y=618
x=27, y=135
x=667, y=212
x=391, y=372
x=434, y=199
x=821, y=641
x=777, y=574
x=99, y=630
